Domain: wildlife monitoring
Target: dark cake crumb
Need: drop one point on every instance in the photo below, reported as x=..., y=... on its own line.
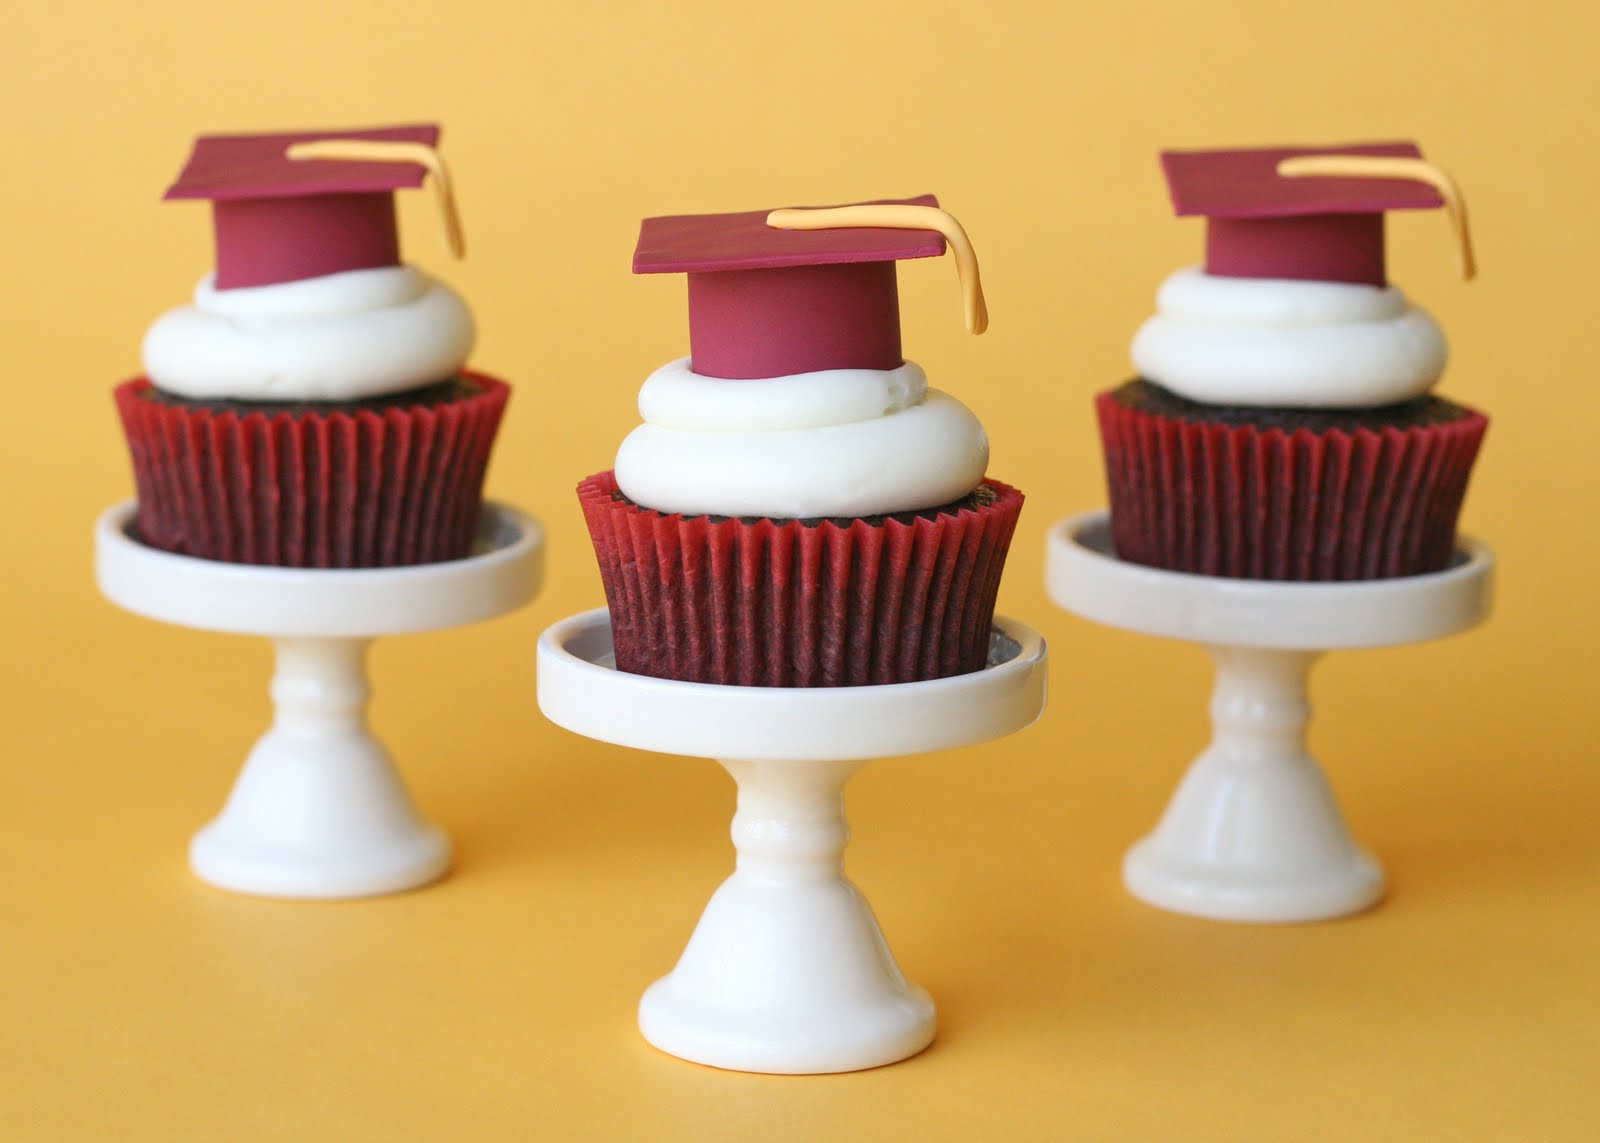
x=980, y=497
x=439, y=393
x=1148, y=397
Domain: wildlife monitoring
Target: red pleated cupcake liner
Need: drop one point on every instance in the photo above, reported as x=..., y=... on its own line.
x=339, y=489
x=1253, y=503
x=780, y=603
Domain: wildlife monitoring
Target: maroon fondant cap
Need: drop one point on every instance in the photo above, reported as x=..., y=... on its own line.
x=1262, y=224
x=766, y=302
x=280, y=219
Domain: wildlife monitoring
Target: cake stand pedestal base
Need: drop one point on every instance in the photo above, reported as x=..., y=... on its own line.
x=1253, y=832
x=319, y=810
x=787, y=971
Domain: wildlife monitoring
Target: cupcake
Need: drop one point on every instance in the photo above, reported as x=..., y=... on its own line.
x=799, y=508
x=1282, y=425
x=309, y=408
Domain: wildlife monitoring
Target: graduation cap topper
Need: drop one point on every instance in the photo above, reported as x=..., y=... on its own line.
x=306, y=204
x=797, y=290
x=1309, y=213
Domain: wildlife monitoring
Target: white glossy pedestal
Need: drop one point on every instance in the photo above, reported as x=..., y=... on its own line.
x=319, y=810
x=1253, y=832
x=787, y=971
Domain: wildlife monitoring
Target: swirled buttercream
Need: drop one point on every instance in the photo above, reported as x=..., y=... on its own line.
x=676, y=397
x=342, y=337
x=840, y=442
x=1277, y=343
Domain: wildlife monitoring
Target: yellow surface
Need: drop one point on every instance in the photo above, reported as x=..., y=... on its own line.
x=137, y=1004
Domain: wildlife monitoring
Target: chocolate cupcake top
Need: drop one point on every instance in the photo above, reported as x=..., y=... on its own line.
x=1148, y=397
x=440, y=393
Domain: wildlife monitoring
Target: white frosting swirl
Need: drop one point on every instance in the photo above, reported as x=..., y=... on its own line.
x=838, y=442
x=1279, y=343
x=676, y=397
x=342, y=337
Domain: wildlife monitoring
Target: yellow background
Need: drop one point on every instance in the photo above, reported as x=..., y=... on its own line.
x=135, y=1003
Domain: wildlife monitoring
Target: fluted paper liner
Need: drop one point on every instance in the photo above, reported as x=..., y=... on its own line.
x=337, y=489
x=785, y=603
x=1240, y=501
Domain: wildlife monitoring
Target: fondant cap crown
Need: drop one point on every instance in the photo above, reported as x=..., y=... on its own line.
x=767, y=302
x=281, y=219
x=1265, y=223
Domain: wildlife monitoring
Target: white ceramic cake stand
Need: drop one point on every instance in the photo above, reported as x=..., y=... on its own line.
x=1253, y=832
x=319, y=810
x=787, y=971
